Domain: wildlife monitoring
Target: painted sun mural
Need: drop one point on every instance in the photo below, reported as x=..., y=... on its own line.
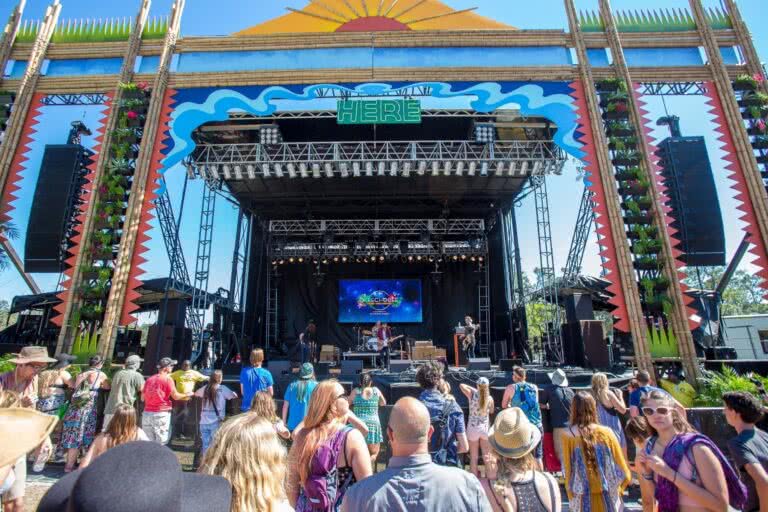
x=374, y=16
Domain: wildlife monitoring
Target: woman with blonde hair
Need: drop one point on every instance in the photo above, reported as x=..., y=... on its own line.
x=214, y=395
x=123, y=428
x=324, y=433
x=247, y=452
x=480, y=407
x=610, y=407
x=596, y=472
x=264, y=407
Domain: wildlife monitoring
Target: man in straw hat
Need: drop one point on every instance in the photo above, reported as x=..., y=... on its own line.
x=23, y=379
x=518, y=482
x=557, y=397
x=21, y=431
x=412, y=481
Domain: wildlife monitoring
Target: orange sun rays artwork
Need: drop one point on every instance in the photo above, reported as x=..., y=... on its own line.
x=374, y=16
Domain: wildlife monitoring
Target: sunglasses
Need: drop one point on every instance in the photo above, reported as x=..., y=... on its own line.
x=650, y=411
x=343, y=395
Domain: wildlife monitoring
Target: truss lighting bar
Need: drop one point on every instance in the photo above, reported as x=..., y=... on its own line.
x=508, y=158
x=462, y=250
x=357, y=227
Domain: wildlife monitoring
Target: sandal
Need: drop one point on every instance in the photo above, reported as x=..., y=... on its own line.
x=69, y=469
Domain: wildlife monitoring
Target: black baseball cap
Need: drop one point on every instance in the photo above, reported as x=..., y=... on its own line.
x=166, y=361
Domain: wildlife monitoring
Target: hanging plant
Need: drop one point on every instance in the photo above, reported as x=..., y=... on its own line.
x=626, y=157
x=611, y=85
x=755, y=112
x=754, y=98
x=620, y=129
x=89, y=272
x=746, y=83
x=638, y=232
x=629, y=174
x=646, y=247
x=648, y=262
x=91, y=311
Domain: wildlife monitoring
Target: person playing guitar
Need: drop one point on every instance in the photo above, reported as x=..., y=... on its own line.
x=468, y=338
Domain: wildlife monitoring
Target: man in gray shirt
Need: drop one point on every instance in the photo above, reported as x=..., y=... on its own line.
x=412, y=482
x=126, y=386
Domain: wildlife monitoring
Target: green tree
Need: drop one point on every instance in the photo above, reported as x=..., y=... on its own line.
x=742, y=296
x=8, y=231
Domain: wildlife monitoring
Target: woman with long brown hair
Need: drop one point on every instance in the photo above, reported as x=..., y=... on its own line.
x=122, y=429
x=480, y=407
x=247, y=452
x=214, y=395
x=324, y=432
x=365, y=402
x=596, y=472
x=610, y=407
x=680, y=469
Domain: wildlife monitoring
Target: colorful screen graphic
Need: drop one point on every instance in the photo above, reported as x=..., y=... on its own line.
x=387, y=300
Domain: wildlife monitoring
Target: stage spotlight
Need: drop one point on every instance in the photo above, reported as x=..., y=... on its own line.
x=463, y=256
x=291, y=171
x=328, y=170
x=460, y=169
x=325, y=261
x=291, y=259
x=500, y=169
x=343, y=259
x=393, y=169
x=356, y=169
x=418, y=258
x=251, y=170
x=472, y=258
x=431, y=259
x=484, y=169
x=435, y=168
x=485, y=133
x=455, y=258
x=365, y=260
x=303, y=170
x=281, y=261
x=279, y=170
x=369, y=168
x=422, y=168
x=265, y=170
x=315, y=170
x=238, y=172
x=382, y=168
x=344, y=169
x=301, y=260
x=406, y=169
x=315, y=261
x=410, y=258
x=335, y=259
x=480, y=258
x=227, y=171
x=447, y=167
x=381, y=259
x=472, y=168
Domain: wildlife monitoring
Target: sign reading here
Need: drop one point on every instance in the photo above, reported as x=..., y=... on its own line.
x=396, y=111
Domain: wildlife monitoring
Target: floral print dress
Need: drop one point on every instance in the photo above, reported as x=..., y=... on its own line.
x=80, y=421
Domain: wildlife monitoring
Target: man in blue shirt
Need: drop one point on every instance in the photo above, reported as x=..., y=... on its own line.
x=254, y=379
x=454, y=437
x=635, y=397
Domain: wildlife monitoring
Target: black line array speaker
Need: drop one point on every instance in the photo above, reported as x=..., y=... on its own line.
x=693, y=199
x=479, y=363
x=174, y=342
x=56, y=195
x=584, y=344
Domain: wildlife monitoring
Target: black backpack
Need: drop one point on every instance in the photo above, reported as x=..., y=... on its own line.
x=438, y=443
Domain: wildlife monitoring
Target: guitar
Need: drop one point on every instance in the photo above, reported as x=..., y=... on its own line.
x=468, y=338
x=389, y=342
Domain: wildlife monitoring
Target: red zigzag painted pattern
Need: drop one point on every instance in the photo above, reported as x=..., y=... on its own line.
x=20, y=158
x=605, y=238
x=662, y=190
x=78, y=238
x=140, y=249
x=735, y=173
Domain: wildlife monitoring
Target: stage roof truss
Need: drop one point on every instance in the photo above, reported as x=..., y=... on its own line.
x=413, y=91
x=673, y=88
x=309, y=249
x=377, y=227
x=333, y=159
x=332, y=114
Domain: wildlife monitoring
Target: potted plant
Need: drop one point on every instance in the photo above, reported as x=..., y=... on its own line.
x=755, y=112
x=753, y=98
x=105, y=274
x=91, y=311
x=639, y=218
x=133, y=119
x=640, y=231
x=746, y=83
x=120, y=166
x=647, y=246
x=629, y=173
x=125, y=135
x=611, y=85
x=89, y=272
x=648, y=262
x=616, y=111
x=626, y=157
x=619, y=129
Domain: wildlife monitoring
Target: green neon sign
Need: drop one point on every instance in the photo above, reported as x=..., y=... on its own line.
x=395, y=111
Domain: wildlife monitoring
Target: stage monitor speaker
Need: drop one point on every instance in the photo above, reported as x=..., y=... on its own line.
x=595, y=346
x=349, y=367
x=322, y=369
x=693, y=199
x=479, y=363
x=278, y=368
x=55, y=198
x=396, y=366
x=507, y=365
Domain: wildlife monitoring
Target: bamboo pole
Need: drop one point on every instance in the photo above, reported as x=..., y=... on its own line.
x=678, y=319
x=9, y=35
x=68, y=331
x=751, y=58
x=117, y=294
x=626, y=274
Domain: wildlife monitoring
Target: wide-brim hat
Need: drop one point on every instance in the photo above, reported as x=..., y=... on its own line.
x=107, y=484
x=306, y=371
x=63, y=360
x=512, y=435
x=21, y=431
x=558, y=378
x=32, y=354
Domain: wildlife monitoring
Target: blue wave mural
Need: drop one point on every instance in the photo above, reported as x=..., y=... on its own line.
x=195, y=107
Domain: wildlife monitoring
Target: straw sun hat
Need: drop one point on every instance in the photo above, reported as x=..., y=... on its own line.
x=33, y=354
x=512, y=435
x=21, y=431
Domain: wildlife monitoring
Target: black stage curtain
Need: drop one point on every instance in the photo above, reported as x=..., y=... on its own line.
x=444, y=304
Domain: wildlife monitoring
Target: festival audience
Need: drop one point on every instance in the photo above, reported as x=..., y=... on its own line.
x=412, y=481
x=158, y=392
x=682, y=470
x=53, y=385
x=596, y=472
x=610, y=407
x=296, y=400
x=21, y=431
x=127, y=384
x=263, y=406
x=525, y=395
x=185, y=380
x=449, y=437
x=249, y=455
x=517, y=485
x=122, y=429
x=480, y=407
x=557, y=398
x=82, y=414
x=680, y=390
x=749, y=449
x=137, y=477
x=215, y=396
x=365, y=402
x=254, y=379
x=325, y=449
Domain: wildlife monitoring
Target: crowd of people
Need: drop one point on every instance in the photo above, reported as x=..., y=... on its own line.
x=319, y=452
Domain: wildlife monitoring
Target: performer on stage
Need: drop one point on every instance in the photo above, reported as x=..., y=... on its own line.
x=468, y=340
x=309, y=339
x=384, y=334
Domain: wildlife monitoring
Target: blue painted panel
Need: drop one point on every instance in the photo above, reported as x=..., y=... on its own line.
x=76, y=67
x=663, y=57
x=363, y=58
x=729, y=55
x=18, y=69
x=149, y=64
x=598, y=57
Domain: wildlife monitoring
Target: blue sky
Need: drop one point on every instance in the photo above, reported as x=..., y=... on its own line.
x=232, y=15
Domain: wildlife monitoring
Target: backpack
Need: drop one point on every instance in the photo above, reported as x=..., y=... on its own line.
x=528, y=399
x=82, y=395
x=438, y=443
x=322, y=489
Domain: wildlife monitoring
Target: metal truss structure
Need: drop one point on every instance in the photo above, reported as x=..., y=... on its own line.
x=357, y=227
x=331, y=114
x=584, y=221
x=272, y=319
x=673, y=88
x=74, y=99
x=291, y=252
x=484, y=312
x=410, y=91
x=333, y=159
x=200, y=296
